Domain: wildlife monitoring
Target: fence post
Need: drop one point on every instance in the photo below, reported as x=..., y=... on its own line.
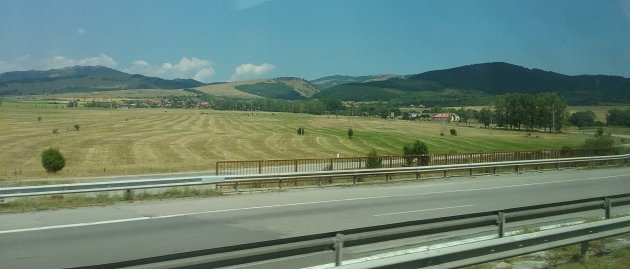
x=259, y=167
x=501, y=223
x=216, y=165
x=607, y=207
x=295, y=163
x=584, y=246
x=280, y=183
x=338, y=249
x=516, y=168
x=390, y=161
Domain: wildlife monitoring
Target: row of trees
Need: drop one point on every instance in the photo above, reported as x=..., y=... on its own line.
x=546, y=111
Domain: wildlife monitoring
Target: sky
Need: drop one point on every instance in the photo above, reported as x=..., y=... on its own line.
x=226, y=40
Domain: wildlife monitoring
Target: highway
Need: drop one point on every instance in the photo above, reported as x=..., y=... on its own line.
x=93, y=235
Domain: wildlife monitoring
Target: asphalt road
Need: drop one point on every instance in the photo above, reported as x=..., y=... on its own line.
x=86, y=236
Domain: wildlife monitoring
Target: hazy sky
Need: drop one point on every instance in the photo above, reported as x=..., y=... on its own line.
x=221, y=40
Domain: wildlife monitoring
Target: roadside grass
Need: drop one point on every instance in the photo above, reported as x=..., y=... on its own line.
x=140, y=141
x=101, y=199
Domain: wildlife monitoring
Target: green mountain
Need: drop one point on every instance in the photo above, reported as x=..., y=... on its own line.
x=331, y=81
x=83, y=79
x=288, y=88
x=478, y=83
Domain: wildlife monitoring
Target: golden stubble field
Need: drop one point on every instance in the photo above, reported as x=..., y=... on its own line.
x=142, y=141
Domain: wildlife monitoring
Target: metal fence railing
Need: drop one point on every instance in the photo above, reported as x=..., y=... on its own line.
x=333, y=164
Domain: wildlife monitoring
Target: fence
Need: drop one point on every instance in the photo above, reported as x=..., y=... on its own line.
x=326, y=164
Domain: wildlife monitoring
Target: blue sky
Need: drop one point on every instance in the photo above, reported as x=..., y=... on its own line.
x=222, y=40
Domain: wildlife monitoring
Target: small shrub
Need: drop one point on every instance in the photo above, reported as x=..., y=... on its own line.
x=453, y=132
x=55, y=131
x=350, y=133
x=76, y=127
x=300, y=130
x=39, y=118
x=412, y=151
x=52, y=160
x=373, y=160
x=441, y=133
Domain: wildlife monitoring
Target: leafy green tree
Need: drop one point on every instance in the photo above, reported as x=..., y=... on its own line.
x=373, y=160
x=350, y=133
x=411, y=153
x=582, y=118
x=52, y=160
x=485, y=116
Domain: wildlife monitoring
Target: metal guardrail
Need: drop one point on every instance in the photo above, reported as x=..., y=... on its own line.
x=235, y=180
x=466, y=254
x=501, y=248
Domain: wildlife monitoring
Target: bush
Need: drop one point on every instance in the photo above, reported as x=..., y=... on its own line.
x=350, y=133
x=417, y=149
x=55, y=131
x=39, y=118
x=52, y=160
x=453, y=132
x=373, y=160
x=300, y=130
x=76, y=127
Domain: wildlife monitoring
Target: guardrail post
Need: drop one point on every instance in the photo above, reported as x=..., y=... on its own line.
x=338, y=249
x=417, y=175
x=501, y=223
x=280, y=183
x=470, y=173
x=444, y=173
x=236, y=186
x=129, y=195
x=354, y=180
x=607, y=207
x=295, y=164
x=259, y=167
x=584, y=246
x=516, y=168
x=494, y=170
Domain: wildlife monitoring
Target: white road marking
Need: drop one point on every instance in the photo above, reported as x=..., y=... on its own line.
x=422, y=210
x=293, y=204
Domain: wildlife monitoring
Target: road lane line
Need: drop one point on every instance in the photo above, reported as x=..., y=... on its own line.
x=296, y=204
x=421, y=210
x=72, y=225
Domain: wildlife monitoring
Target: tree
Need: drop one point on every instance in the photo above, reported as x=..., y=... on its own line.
x=411, y=153
x=300, y=130
x=485, y=116
x=373, y=160
x=582, y=118
x=52, y=160
x=350, y=133
x=76, y=127
x=453, y=132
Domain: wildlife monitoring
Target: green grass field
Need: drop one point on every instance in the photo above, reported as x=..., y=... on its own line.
x=140, y=141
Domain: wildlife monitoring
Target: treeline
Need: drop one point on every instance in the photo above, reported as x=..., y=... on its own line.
x=618, y=117
x=546, y=111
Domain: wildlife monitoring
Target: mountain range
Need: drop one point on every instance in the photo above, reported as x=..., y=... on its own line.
x=83, y=79
x=465, y=85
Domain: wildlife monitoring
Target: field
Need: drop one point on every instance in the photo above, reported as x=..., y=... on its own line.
x=140, y=141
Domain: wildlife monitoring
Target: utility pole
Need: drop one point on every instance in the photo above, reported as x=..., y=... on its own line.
x=553, y=117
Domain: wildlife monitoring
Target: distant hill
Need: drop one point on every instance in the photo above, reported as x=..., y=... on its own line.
x=479, y=82
x=288, y=88
x=83, y=79
x=331, y=81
